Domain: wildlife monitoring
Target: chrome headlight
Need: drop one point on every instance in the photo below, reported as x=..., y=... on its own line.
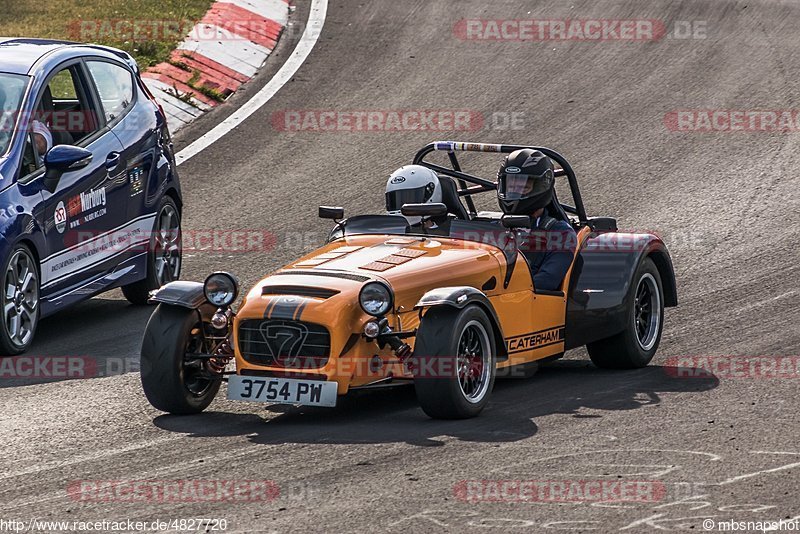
x=221, y=289
x=375, y=298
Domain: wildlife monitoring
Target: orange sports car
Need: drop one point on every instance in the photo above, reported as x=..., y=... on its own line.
x=448, y=304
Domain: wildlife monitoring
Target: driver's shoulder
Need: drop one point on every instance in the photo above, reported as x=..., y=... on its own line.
x=563, y=226
x=552, y=224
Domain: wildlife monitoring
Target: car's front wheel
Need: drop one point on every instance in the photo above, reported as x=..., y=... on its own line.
x=164, y=255
x=20, y=301
x=173, y=380
x=454, y=362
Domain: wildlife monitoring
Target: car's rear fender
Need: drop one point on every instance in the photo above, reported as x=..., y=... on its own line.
x=460, y=297
x=597, y=307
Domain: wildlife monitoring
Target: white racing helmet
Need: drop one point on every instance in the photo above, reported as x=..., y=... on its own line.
x=412, y=184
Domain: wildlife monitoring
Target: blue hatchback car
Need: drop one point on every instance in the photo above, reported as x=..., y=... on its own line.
x=89, y=193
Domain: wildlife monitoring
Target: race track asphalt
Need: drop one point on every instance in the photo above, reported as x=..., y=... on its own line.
x=727, y=204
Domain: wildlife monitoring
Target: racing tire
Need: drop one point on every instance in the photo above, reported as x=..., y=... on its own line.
x=454, y=362
x=170, y=383
x=635, y=346
x=164, y=254
x=19, y=301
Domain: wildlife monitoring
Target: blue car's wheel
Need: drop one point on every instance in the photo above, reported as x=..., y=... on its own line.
x=20, y=301
x=164, y=259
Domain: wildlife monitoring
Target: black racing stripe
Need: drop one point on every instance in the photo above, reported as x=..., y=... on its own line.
x=269, y=307
x=300, y=310
x=284, y=310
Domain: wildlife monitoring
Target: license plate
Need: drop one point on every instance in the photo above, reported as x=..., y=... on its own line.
x=282, y=390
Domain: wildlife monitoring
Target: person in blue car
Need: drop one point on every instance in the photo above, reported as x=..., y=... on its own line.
x=5, y=130
x=42, y=138
x=526, y=183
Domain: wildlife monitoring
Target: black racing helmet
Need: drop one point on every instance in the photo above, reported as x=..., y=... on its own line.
x=525, y=182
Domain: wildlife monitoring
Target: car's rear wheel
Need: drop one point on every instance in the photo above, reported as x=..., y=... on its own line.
x=164, y=255
x=454, y=362
x=20, y=301
x=174, y=381
x=635, y=346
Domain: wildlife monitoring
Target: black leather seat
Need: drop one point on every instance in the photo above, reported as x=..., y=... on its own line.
x=451, y=199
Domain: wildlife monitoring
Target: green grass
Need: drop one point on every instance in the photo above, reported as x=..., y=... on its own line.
x=108, y=22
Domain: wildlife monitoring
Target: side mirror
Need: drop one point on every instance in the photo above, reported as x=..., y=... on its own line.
x=424, y=210
x=516, y=221
x=63, y=158
x=330, y=212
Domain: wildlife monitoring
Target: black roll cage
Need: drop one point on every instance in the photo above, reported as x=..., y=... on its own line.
x=481, y=185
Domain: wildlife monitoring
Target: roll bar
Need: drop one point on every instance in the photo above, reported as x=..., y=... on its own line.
x=482, y=184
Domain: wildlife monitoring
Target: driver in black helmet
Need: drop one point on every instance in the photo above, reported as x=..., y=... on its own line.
x=525, y=186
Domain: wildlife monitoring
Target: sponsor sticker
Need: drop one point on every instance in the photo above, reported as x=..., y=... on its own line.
x=135, y=177
x=535, y=340
x=60, y=217
x=86, y=201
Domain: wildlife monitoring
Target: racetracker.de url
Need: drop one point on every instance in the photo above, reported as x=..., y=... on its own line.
x=122, y=525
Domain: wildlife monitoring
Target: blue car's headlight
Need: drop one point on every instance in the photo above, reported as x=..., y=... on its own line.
x=221, y=289
x=375, y=298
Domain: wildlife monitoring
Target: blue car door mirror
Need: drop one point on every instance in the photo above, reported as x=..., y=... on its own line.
x=63, y=158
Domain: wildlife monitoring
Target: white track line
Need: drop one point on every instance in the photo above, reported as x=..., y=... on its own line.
x=759, y=473
x=316, y=19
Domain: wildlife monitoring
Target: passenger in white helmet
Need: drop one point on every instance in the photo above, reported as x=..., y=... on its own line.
x=412, y=184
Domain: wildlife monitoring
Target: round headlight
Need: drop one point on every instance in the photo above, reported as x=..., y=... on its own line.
x=375, y=299
x=221, y=289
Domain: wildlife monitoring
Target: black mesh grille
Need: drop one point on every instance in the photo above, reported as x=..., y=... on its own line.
x=282, y=343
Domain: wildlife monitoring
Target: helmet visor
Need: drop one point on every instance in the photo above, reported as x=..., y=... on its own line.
x=397, y=198
x=522, y=186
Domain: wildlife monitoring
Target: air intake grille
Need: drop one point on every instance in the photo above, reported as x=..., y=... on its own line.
x=302, y=291
x=281, y=343
x=344, y=276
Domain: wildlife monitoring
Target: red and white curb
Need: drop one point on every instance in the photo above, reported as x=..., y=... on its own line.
x=223, y=51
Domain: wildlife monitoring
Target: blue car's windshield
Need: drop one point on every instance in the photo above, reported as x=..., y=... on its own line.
x=12, y=90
